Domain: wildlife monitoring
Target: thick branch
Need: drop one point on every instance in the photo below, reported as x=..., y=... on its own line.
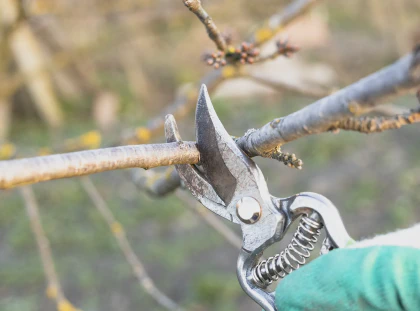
x=31, y=170
x=326, y=113
x=212, y=30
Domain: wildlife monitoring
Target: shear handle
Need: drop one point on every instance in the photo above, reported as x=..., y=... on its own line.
x=245, y=264
x=307, y=203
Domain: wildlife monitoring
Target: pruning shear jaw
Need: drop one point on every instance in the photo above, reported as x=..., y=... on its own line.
x=231, y=185
x=236, y=179
x=193, y=178
x=227, y=181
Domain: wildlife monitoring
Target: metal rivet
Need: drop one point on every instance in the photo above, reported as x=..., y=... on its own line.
x=248, y=210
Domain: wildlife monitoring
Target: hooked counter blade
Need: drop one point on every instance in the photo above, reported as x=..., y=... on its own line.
x=227, y=168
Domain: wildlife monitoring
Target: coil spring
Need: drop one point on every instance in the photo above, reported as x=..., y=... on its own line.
x=294, y=256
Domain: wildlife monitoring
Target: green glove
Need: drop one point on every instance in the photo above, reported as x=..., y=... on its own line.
x=370, y=279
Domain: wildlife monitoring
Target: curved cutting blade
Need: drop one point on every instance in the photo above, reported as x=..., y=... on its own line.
x=227, y=168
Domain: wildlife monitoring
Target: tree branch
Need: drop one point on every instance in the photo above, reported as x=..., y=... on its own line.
x=358, y=98
x=32, y=170
x=212, y=30
x=54, y=290
x=119, y=233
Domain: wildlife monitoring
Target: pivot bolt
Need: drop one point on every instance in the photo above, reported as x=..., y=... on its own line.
x=248, y=210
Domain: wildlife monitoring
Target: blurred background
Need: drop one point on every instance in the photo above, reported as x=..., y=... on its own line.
x=71, y=68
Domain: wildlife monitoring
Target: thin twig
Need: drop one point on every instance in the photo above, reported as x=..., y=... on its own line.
x=31, y=170
x=212, y=30
x=54, y=290
x=369, y=125
x=283, y=48
x=119, y=233
x=248, y=52
x=286, y=158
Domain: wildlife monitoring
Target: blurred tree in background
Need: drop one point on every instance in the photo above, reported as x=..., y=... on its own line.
x=82, y=74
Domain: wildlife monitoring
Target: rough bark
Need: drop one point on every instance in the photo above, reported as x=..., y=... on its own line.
x=31, y=170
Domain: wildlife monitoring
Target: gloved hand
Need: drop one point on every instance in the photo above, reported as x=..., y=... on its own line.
x=378, y=274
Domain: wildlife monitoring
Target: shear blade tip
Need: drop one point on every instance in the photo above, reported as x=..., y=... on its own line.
x=171, y=129
x=203, y=88
x=169, y=118
x=204, y=97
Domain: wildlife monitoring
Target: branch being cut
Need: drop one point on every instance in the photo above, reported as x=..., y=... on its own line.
x=212, y=30
x=54, y=290
x=31, y=170
x=119, y=233
x=401, y=77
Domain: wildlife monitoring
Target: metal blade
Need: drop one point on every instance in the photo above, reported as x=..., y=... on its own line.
x=193, y=178
x=227, y=168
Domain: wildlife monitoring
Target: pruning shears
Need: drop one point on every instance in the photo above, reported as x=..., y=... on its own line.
x=230, y=184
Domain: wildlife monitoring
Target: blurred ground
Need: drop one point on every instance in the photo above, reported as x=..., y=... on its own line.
x=372, y=179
